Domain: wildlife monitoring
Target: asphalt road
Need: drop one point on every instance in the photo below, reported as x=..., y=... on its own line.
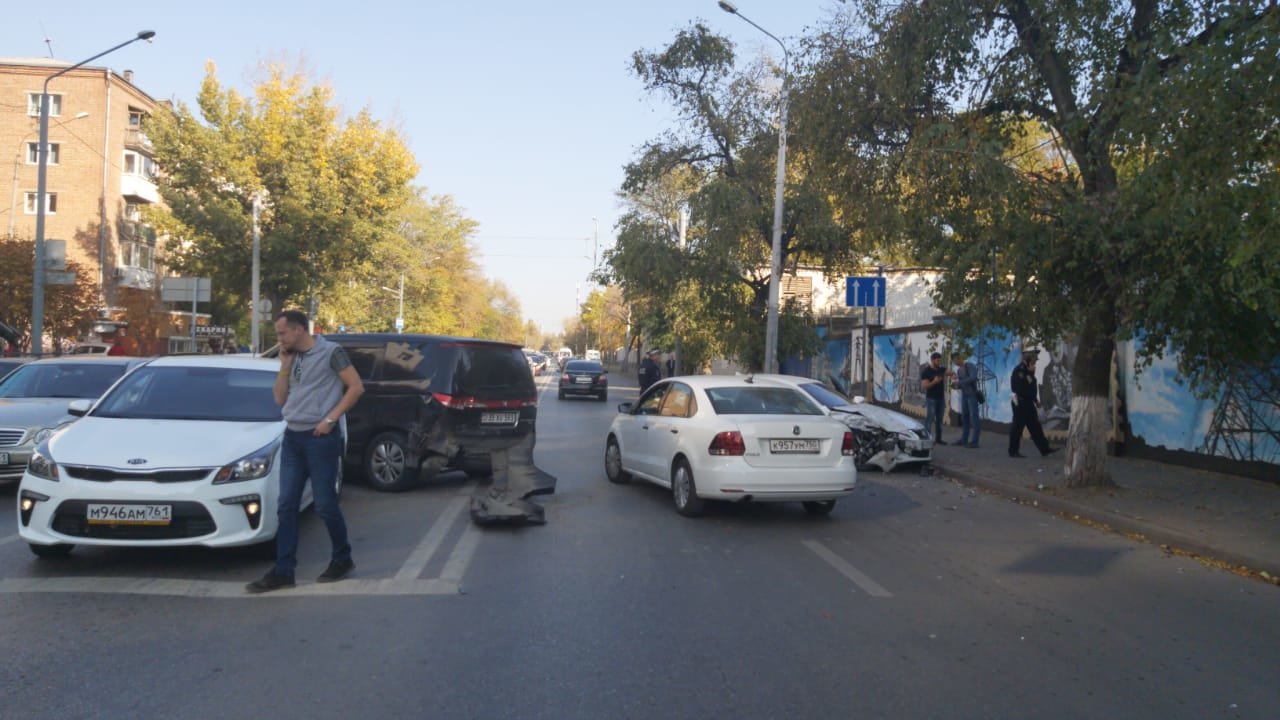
x=915, y=598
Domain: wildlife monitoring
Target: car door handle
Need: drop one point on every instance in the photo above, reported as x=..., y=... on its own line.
x=675, y=431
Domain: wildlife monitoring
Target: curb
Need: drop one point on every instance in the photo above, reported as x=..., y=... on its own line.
x=1154, y=534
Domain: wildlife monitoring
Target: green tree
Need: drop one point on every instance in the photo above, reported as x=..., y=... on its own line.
x=68, y=308
x=333, y=188
x=1097, y=171
x=719, y=162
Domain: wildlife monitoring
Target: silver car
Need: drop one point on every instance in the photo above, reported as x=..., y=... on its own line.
x=886, y=438
x=34, y=399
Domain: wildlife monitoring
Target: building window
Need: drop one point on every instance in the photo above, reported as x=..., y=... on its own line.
x=33, y=104
x=50, y=206
x=138, y=255
x=139, y=164
x=132, y=212
x=135, y=118
x=33, y=153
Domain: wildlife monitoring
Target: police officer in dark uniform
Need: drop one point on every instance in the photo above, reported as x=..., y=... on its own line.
x=1025, y=405
x=650, y=373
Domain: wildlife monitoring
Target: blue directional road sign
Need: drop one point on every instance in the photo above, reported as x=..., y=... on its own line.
x=864, y=291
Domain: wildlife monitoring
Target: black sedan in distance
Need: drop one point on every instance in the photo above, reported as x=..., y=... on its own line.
x=584, y=377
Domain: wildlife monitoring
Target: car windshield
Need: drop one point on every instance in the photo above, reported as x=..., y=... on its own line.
x=760, y=401
x=583, y=366
x=824, y=396
x=193, y=393
x=61, y=380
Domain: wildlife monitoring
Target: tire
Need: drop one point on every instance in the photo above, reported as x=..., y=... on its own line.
x=603, y=397
x=386, y=466
x=819, y=507
x=51, y=551
x=684, y=491
x=613, y=463
x=559, y=394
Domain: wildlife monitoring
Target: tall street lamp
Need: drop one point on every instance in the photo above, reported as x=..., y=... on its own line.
x=37, y=281
x=400, y=316
x=775, y=262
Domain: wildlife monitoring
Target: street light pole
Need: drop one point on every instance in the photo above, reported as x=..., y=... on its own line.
x=399, y=318
x=775, y=259
x=37, y=280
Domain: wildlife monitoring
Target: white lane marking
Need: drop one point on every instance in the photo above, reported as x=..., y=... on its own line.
x=222, y=589
x=859, y=578
x=456, y=566
x=6, y=540
x=422, y=554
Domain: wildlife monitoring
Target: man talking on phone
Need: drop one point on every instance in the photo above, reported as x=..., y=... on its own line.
x=316, y=386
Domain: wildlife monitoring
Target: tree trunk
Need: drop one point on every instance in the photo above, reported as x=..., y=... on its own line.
x=1091, y=383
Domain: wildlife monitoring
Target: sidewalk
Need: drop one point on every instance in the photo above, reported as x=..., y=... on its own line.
x=1224, y=517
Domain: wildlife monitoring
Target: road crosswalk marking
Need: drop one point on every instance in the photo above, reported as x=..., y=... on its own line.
x=405, y=582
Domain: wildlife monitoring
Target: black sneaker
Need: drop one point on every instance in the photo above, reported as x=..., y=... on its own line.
x=337, y=570
x=1016, y=455
x=270, y=581
x=939, y=442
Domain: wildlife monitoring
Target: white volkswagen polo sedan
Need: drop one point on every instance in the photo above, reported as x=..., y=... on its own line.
x=738, y=438
x=185, y=450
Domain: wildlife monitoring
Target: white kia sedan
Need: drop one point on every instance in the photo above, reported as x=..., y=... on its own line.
x=185, y=450
x=735, y=438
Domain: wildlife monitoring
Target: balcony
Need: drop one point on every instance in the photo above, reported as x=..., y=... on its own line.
x=135, y=277
x=137, y=188
x=135, y=139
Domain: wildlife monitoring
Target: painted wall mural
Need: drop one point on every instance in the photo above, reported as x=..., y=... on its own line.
x=1241, y=423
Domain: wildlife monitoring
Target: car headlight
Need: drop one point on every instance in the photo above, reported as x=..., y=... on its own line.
x=41, y=464
x=45, y=433
x=250, y=467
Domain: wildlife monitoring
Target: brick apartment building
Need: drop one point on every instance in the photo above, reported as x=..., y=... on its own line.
x=100, y=177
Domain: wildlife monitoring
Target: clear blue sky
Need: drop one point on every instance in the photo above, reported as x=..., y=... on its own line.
x=523, y=112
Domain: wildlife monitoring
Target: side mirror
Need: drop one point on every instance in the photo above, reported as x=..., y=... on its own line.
x=625, y=408
x=79, y=408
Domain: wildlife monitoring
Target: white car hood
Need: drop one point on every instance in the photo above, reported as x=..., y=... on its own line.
x=114, y=442
x=889, y=420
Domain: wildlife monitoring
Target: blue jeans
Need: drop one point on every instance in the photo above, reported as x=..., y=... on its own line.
x=934, y=408
x=305, y=455
x=970, y=421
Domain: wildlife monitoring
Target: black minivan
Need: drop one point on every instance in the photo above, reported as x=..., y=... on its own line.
x=434, y=403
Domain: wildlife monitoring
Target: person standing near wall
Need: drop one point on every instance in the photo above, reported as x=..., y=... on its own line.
x=933, y=381
x=966, y=377
x=1026, y=405
x=650, y=373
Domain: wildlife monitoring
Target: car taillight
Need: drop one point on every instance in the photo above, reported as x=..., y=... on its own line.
x=464, y=402
x=848, y=446
x=600, y=378
x=728, y=443
x=565, y=378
